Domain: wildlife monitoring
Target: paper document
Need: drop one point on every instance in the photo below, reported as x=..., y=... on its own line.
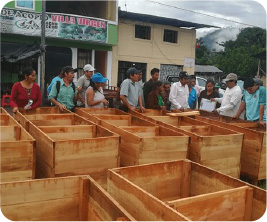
x=207, y=105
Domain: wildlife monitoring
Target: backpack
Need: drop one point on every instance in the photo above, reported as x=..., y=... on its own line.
x=58, y=88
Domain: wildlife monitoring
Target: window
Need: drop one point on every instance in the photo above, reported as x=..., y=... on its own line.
x=170, y=36
x=142, y=32
x=201, y=82
x=28, y=4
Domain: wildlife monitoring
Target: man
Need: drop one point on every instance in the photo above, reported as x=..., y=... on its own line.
x=231, y=99
x=179, y=93
x=55, y=79
x=84, y=82
x=148, y=85
x=63, y=92
x=130, y=92
x=165, y=94
x=254, y=101
x=141, y=85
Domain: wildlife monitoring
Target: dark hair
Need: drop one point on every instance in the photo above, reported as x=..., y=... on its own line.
x=166, y=83
x=248, y=83
x=156, y=85
x=193, y=77
x=210, y=81
x=27, y=71
x=153, y=71
x=92, y=84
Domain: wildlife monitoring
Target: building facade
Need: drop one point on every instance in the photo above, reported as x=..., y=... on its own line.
x=148, y=42
x=77, y=33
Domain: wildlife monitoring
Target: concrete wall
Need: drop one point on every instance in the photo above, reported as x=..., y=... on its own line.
x=153, y=52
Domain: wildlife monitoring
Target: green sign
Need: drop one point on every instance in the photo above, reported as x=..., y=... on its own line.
x=57, y=25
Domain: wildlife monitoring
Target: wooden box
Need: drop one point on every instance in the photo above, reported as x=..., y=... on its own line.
x=17, y=151
x=77, y=198
x=210, y=145
x=195, y=192
x=3, y=111
x=253, y=155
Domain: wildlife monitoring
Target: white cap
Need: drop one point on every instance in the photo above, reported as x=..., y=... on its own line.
x=88, y=67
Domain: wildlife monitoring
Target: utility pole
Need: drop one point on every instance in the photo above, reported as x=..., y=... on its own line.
x=42, y=60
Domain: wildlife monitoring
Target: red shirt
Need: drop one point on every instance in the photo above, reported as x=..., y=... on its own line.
x=19, y=97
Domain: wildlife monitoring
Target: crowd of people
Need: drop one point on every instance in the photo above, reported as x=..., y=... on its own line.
x=134, y=94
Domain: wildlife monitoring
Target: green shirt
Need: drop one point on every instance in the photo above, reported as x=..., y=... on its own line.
x=65, y=95
x=160, y=101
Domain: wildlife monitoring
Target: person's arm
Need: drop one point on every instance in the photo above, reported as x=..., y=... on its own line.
x=90, y=98
x=152, y=101
x=124, y=93
x=125, y=102
x=52, y=95
x=80, y=83
x=39, y=97
x=14, y=94
x=235, y=99
x=240, y=110
x=262, y=104
x=78, y=94
x=172, y=96
x=218, y=100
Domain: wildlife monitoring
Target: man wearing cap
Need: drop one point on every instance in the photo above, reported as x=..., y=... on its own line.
x=232, y=97
x=84, y=82
x=149, y=84
x=254, y=101
x=64, y=94
x=179, y=93
x=130, y=92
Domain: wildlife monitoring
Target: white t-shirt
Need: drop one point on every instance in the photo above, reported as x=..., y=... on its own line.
x=99, y=95
x=179, y=96
x=230, y=102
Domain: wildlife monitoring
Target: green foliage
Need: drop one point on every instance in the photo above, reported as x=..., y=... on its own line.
x=237, y=56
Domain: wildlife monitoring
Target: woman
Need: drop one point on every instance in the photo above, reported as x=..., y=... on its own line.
x=154, y=98
x=94, y=96
x=26, y=93
x=209, y=92
x=192, y=99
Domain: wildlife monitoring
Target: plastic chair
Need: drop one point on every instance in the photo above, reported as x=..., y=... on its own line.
x=6, y=99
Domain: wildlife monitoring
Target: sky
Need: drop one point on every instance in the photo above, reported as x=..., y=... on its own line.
x=247, y=12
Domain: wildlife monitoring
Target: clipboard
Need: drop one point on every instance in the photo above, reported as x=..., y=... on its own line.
x=207, y=105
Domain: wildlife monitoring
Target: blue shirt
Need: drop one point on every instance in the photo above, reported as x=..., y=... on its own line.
x=253, y=102
x=131, y=90
x=55, y=79
x=192, y=98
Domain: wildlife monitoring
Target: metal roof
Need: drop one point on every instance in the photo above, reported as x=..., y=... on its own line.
x=206, y=68
x=161, y=20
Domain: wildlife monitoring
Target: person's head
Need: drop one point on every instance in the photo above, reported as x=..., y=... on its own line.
x=68, y=73
x=184, y=78
x=140, y=75
x=98, y=80
x=88, y=70
x=133, y=74
x=61, y=74
x=250, y=86
x=193, y=80
x=216, y=87
x=154, y=74
x=28, y=74
x=157, y=86
x=167, y=87
x=231, y=80
x=189, y=81
x=210, y=85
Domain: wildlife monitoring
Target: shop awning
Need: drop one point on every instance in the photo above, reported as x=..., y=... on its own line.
x=13, y=52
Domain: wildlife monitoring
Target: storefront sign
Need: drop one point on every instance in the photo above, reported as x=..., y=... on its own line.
x=65, y=26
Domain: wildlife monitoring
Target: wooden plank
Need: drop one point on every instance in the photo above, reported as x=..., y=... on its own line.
x=227, y=205
x=191, y=113
x=139, y=203
x=84, y=198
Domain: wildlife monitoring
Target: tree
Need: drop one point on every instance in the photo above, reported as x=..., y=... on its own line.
x=202, y=53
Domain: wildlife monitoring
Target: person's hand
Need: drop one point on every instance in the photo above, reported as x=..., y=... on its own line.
x=79, y=89
x=215, y=111
x=235, y=117
x=15, y=109
x=163, y=107
x=263, y=123
x=182, y=109
x=131, y=108
x=212, y=100
x=142, y=109
x=104, y=101
x=27, y=107
x=62, y=107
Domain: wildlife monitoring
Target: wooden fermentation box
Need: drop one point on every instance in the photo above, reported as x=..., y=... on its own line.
x=68, y=144
x=253, y=155
x=184, y=190
x=76, y=198
x=17, y=150
x=210, y=145
x=141, y=141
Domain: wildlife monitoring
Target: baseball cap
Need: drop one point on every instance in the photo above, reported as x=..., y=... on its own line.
x=132, y=70
x=184, y=74
x=68, y=69
x=88, y=67
x=231, y=76
x=97, y=77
